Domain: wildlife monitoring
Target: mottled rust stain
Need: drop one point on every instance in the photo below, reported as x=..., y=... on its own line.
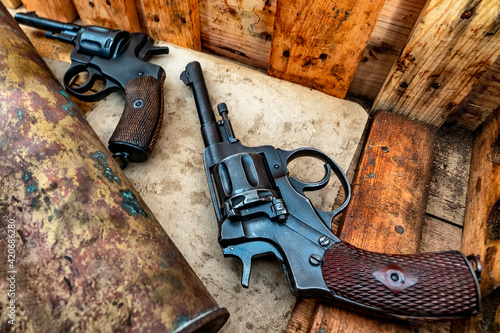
x=86, y=262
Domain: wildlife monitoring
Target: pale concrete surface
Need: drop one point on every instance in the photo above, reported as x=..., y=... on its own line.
x=263, y=110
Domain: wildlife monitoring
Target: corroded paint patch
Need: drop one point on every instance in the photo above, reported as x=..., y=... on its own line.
x=103, y=166
x=130, y=203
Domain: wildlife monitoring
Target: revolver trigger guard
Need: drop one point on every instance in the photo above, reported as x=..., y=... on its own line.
x=81, y=92
x=287, y=156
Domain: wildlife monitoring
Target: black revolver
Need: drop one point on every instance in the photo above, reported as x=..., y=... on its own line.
x=119, y=59
x=261, y=210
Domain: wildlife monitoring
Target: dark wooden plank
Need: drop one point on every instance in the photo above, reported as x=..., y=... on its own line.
x=482, y=225
x=450, y=175
x=319, y=44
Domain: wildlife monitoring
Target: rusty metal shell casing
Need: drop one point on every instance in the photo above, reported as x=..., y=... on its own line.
x=89, y=255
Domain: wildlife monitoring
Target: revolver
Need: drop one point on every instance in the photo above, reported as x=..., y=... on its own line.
x=119, y=60
x=262, y=211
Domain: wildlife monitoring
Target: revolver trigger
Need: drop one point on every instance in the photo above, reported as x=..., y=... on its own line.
x=246, y=251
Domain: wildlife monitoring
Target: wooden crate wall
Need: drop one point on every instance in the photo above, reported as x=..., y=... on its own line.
x=431, y=60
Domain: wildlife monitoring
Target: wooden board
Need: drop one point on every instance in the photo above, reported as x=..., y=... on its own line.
x=109, y=13
x=176, y=22
x=447, y=197
x=482, y=225
x=481, y=101
x=238, y=30
x=388, y=38
x=13, y=4
x=438, y=235
x=319, y=44
x=452, y=45
x=60, y=10
x=386, y=213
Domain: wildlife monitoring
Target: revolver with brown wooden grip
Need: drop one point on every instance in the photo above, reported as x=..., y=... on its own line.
x=119, y=60
x=262, y=210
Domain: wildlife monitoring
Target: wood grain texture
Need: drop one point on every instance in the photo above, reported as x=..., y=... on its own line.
x=388, y=38
x=452, y=45
x=319, y=44
x=13, y=4
x=109, y=13
x=482, y=225
x=450, y=174
x=60, y=10
x=238, y=30
x=386, y=213
x=438, y=235
x=176, y=22
x=481, y=101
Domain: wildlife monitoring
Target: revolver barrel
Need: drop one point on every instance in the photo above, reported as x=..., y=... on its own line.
x=193, y=76
x=32, y=20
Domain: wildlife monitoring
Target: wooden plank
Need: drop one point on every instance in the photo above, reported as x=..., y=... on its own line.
x=60, y=10
x=453, y=44
x=176, y=22
x=388, y=38
x=12, y=4
x=300, y=320
x=386, y=213
x=113, y=14
x=447, y=197
x=238, y=30
x=320, y=44
x=439, y=236
x=481, y=101
x=482, y=225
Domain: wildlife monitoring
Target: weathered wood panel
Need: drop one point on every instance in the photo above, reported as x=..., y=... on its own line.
x=109, y=13
x=452, y=45
x=388, y=38
x=238, y=30
x=482, y=225
x=447, y=197
x=439, y=236
x=481, y=101
x=176, y=22
x=60, y=10
x=319, y=44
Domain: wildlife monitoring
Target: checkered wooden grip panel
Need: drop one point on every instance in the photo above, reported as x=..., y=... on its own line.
x=142, y=118
x=416, y=285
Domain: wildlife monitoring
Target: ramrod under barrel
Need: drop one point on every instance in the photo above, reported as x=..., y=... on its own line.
x=87, y=254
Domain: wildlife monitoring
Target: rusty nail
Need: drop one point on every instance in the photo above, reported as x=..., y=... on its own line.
x=466, y=15
x=403, y=85
x=436, y=85
x=385, y=149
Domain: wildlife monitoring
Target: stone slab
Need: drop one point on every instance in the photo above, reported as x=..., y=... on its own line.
x=263, y=110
